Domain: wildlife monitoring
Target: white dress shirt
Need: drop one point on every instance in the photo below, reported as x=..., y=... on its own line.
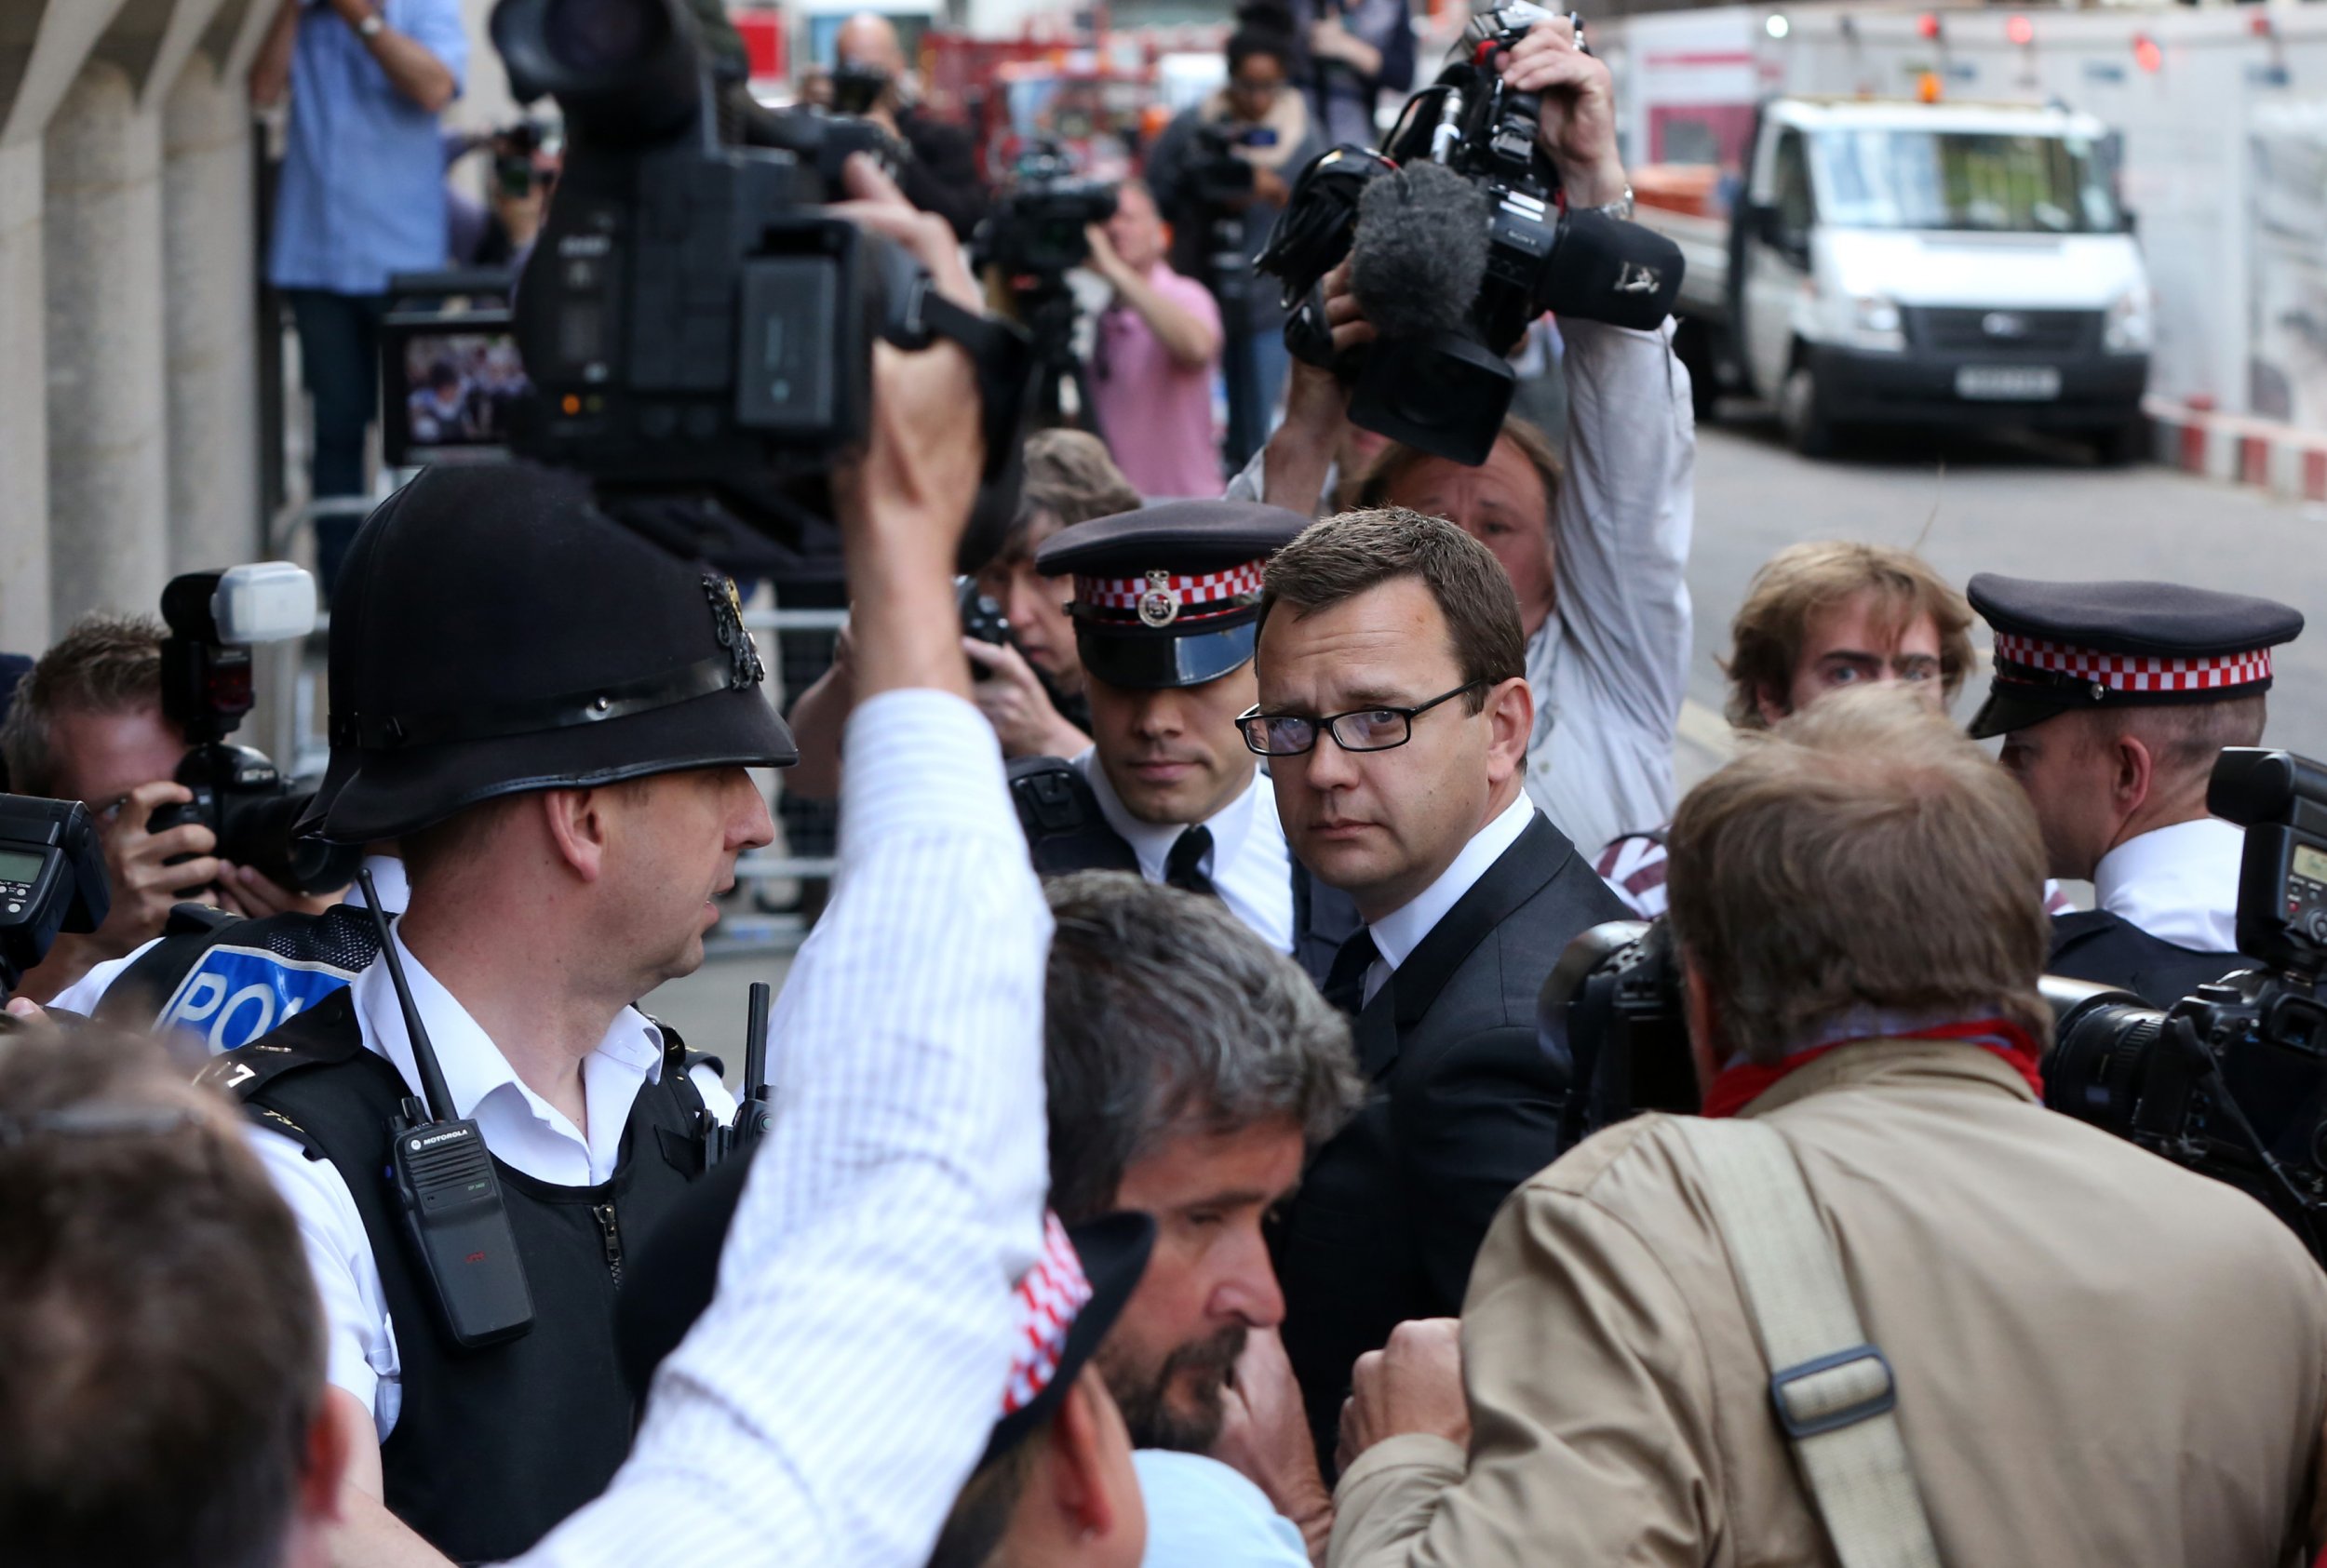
x=2179, y=883
x=1609, y=666
x=826, y=1407
x=1397, y=933
x=83, y=995
x=523, y=1131
x=1248, y=862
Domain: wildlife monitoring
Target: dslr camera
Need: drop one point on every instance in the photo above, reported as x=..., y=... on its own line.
x=2230, y=1081
x=1437, y=378
x=215, y=618
x=52, y=879
x=1036, y=230
x=697, y=329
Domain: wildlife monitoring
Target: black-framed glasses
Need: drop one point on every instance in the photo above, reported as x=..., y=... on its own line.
x=1374, y=729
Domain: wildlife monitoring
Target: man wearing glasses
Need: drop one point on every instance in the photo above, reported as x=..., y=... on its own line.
x=1394, y=712
x=1165, y=603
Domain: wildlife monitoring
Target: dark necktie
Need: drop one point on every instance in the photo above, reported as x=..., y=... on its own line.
x=1183, y=869
x=1345, y=983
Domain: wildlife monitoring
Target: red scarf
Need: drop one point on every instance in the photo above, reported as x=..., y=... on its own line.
x=1740, y=1086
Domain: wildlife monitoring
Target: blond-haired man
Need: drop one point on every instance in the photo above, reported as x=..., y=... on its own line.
x=1819, y=616
x=2098, y=1357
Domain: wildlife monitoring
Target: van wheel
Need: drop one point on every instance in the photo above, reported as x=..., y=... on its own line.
x=2121, y=446
x=1693, y=347
x=1802, y=414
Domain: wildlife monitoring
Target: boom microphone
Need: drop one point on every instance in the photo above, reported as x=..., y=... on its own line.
x=1420, y=251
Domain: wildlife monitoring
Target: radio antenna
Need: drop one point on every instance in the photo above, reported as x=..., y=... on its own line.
x=432, y=1088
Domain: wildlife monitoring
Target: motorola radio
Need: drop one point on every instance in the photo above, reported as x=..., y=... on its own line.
x=449, y=1191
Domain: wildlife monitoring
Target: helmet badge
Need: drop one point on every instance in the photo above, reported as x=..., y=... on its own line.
x=1159, y=607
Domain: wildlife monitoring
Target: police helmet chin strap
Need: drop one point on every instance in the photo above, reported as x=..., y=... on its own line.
x=448, y=1189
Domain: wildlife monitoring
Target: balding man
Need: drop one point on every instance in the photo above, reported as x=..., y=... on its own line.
x=941, y=174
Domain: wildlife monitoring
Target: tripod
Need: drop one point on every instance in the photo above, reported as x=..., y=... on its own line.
x=1047, y=307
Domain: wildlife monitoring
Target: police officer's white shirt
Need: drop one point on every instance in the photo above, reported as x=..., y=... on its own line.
x=83, y=995
x=2179, y=883
x=523, y=1131
x=1249, y=863
x=1397, y=933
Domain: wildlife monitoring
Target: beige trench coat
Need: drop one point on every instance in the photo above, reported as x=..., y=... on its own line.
x=2102, y=1360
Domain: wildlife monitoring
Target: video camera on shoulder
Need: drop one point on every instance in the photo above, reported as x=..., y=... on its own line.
x=52, y=879
x=215, y=618
x=2230, y=1081
x=1463, y=236
x=698, y=330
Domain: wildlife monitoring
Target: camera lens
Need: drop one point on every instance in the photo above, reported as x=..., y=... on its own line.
x=596, y=36
x=2095, y=1069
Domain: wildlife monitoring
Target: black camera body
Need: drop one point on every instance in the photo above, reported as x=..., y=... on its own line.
x=1036, y=231
x=238, y=793
x=52, y=879
x=1218, y=173
x=1610, y=1011
x=2230, y=1081
x=697, y=327
x=1447, y=391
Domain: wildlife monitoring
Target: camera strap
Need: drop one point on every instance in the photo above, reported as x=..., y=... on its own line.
x=1830, y=1387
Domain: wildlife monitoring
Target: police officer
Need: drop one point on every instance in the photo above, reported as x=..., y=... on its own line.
x=2114, y=700
x=556, y=721
x=1165, y=601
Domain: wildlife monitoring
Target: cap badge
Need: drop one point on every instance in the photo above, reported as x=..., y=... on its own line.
x=727, y=625
x=1159, y=607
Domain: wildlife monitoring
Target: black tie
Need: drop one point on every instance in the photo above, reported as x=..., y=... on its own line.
x=1345, y=983
x=1183, y=869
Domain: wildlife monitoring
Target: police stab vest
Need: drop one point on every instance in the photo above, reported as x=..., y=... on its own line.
x=492, y=1447
x=231, y=980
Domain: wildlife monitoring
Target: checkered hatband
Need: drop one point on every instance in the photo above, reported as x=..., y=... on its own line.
x=1050, y=1295
x=1160, y=599
x=2133, y=672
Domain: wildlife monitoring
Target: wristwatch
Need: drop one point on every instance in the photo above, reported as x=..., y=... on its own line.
x=1621, y=209
x=374, y=24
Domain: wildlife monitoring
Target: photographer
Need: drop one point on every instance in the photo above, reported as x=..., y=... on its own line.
x=1152, y=357
x=941, y=174
x=362, y=198
x=1856, y=917
x=87, y=725
x=1254, y=122
x=1031, y=688
x=1598, y=549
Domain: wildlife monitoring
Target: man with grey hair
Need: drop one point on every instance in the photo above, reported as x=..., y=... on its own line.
x=1191, y=1070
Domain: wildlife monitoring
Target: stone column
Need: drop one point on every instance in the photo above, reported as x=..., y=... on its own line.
x=24, y=625
x=107, y=485
x=210, y=272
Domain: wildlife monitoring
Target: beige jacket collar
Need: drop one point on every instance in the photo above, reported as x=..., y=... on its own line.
x=1895, y=1063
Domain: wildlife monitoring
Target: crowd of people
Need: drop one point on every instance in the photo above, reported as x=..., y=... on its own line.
x=1162, y=1161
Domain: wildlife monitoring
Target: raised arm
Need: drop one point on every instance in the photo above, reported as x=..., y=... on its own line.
x=829, y=1404
x=1623, y=519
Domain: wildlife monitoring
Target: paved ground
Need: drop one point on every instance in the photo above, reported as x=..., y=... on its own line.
x=2027, y=508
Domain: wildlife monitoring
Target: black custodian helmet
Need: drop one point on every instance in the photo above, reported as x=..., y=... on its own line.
x=501, y=635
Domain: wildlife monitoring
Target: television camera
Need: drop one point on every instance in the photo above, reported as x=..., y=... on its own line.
x=697, y=329
x=1474, y=270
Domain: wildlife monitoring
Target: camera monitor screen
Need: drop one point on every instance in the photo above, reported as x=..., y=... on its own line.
x=451, y=388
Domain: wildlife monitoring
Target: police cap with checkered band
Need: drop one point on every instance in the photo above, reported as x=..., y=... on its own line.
x=1168, y=594
x=2069, y=646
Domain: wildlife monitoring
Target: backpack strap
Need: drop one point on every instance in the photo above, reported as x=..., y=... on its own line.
x=1831, y=1388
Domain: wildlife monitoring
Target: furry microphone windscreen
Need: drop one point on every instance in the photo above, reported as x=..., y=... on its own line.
x=1420, y=251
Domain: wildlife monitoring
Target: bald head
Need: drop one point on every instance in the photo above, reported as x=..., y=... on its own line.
x=870, y=42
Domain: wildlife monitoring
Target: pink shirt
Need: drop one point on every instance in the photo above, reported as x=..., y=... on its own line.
x=1155, y=412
